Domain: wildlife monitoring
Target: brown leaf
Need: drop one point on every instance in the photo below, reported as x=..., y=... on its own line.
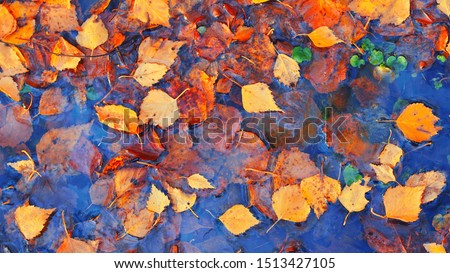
x=53, y=102
x=138, y=225
x=10, y=88
x=56, y=19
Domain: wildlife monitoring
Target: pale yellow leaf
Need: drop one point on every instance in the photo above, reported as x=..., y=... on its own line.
x=353, y=197
x=433, y=181
x=324, y=37
x=403, y=203
x=61, y=58
x=93, y=33
x=238, y=219
x=444, y=6
x=139, y=225
x=118, y=117
x=318, y=190
x=159, y=51
x=181, y=201
x=258, y=98
x=157, y=200
x=8, y=24
x=10, y=88
x=31, y=220
x=24, y=167
x=155, y=12
x=286, y=70
x=11, y=61
x=147, y=74
x=159, y=107
x=70, y=245
x=289, y=204
x=390, y=155
x=384, y=173
x=388, y=11
x=434, y=248
x=198, y=181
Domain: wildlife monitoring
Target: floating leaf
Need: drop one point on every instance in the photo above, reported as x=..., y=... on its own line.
x=388, y=11
x=390, y=155
x=9, y=24
x=417, y=122
x=159, y=51
x=118, y=117
x=324, y=37
x=159, y=107
x=61, y=58
x=290, y=205
x=384, y=173
x=31, y=220
x=434, y=248
x=353, y=197
x=258, y=98
x=301, y=54
x=147, y=74
x=25, y=167
x=93, y=33
x=157, y=200
x=238, y=219
x=56, y=19
x=444, y=6
x=198, y=181
x=403, y=202
x=10, y=88
x=433, y=181
x=139, y=225
x=319, y=189
x=351, y=175
x=70, y=245
x=286, y=70
x=11, y=61
x=259, y=1
x=181, y=201
x=155, y=12
x=127, y=178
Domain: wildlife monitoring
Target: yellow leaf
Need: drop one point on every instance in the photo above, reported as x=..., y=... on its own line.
x=198, y=181
x=324, y=37
x=353, y=197
x=286, y=70
x=24, y=167
x=10, y=88
x=159, y=107
x=159, y=51
x=118, y=117
x=258, y=98
x=238, y=219
x=259, y=1
x=388, y=11
x=62, y=50
x=70, y=245
x=139, y=225
x=147, y=74
x=11, y=61
x=390, y=155
x=22, y=35
x=9, y=24
x=384, y=173
x=31, y=220
x=434, y=248
x=433, y=181
x=93, y=33
x=181, y=201
x=403, y=203
x=289, y=204
x=155, y=12
x=417, y=122
x=319, y=189
x=62, y=3
x=157, y=201
x=444, y=6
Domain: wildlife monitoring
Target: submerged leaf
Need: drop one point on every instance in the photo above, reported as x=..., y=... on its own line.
x=433, y=181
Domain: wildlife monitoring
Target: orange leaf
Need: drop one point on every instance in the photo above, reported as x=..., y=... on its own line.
x=417, y=122
x=390, y=155
x=52, y=102
x=289, y=204
x=31, y=220
x=118, y=117
x=63, y=55
x=319, y=189
x=139, y=225
x=10, y=88
x=9, y=24
x=388, y=11
x=403, y=203
x=324, y=37
x=70, y=245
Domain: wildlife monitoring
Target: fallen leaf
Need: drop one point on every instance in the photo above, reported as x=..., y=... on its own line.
x=403, y=203
x=324, y=37
x=15, y=125
x=10, y=88
x=444, y=6
x=159, y=51
x=60, y=59
x=93, y=33
x=319, y=189
x=238, y=219
x=198, y=181
x=388, y=11
x=159, y=107
x=102, y=191
x=434, y=248
x=417, y=122
x=139, y=225
x=157, y=200
x=11, y=61
x=319, y=13
x=286, y=70
x=390, y=155
x=259, y=1
x=128, y=178
x=258, y=98
x=147, y=74
x=118, y=117
x=53, y=102
x=384, y=173
x=290, y=205
x=441, y=223
x=62, y=3
x=70, y=245
x=56, y=19
x=155, y=12
x=353, y=197
x=31, y=220
x=181, y=201
x=433, y=181
x=22, y=35
x=24, y=167
x=9, y=24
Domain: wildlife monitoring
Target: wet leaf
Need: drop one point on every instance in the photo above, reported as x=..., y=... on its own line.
x=258, y=98
x=11, y=61
x=157, y=201
x=31, y=220
x=138, y=225
x=127, y=179
x=93, y=33
x=159, y=108
x=351, y=175
x=434, y=248
x=353, y=197
x=238, y=219
x=390, y=155
x=290, y=205
x=319, y=189
x=147, y=74
x=56, y=19
x=118, y=117
x=15, y=125
x=324, y=37
x=24, y=167
x=198, y=181
x=388, y=11
x=53, y=102
x=444, y=6
x=181, y=201
x=434, y=182
x=63, y=55
x=155, y=12
x=286, y=70
x=10, y=88
x=403, y=203
x=9, y=24
x=384, y=173
x=417, y=122
x=159, y=51
x=70, y=245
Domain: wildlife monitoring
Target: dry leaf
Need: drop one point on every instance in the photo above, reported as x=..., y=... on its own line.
x=70, y=245
x=319, y=189
x=434, y=248
x=93, y=33
x=444, y=6
x=31, y=220
x=258, y=98
x=353, y=197
x=10, y=88
x=155, y=12
x=56, y=19
x=403, y=203
x=289, y=204
x=388, y=11
x=157, y=200
x=9, y=24
x=390, y=155
x=324, y=37
x=181, y=201
x=417, y=122
x=62, y=50
x=433, y=181
x=384, y=173
x=238, y=219
x=198, y=181
x=159, y=51
x=139, y=225
x=147, y=74
x=11, y=61
x=53, y=102
x=159, y=107
x=286, y=70
x=118, y=117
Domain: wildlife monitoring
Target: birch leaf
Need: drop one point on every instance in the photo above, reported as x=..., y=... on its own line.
x=9, y=87
x=181, y=201
x=290, y=205
x=417, y=122
x=118, y=117
x=319, y=189
x=238, y=219
x=384, y=173
x=147, y=74
x=433, y=181
x=198, y=181
x=70, y=245
x=258, y=98
x=62, y=50
x=390, y=155
x=93, y=33
x=9, y=24
x=434, y=248
x=403, y=203
x=11, y=61
x=159, y=107
x=139, y=225
x=388, y=11
x=353, y=197
x=286, y=70
x=155, y=12
x=444, y=6
x=157, y=201
x=324, y=37
x=31, y=220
